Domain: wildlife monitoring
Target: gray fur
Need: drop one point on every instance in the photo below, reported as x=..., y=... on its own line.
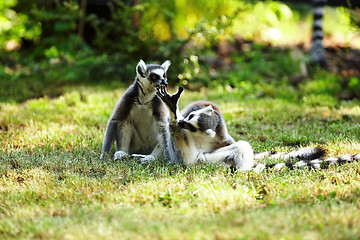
x=215, y=122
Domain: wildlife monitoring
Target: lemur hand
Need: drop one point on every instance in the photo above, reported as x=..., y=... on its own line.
x=170, y=100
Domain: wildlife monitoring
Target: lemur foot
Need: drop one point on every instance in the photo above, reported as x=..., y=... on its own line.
x=143, y=158
x=119, y=155
x=200, y=158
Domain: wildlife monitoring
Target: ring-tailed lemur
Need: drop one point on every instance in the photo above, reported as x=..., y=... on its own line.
x=140, y=120
x=317, y=51
x=199, y=134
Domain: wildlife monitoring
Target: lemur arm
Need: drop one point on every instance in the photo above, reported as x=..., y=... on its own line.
x=171, y=101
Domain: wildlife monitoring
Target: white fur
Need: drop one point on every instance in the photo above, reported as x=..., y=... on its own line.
x=318, y=23
x=166, y=65
x=316, y=161
x=319, y=10
x=240, y=153
x=316, y=165
x=159, y=71
x=262, y=155
x=277, y=155
x=278, y=166
x=119, y=155
x=208, y=110
x=259, y=168
x=210, y=132
x=142, y=66
x=140, y=134
x=300, y=164
x=144, y=158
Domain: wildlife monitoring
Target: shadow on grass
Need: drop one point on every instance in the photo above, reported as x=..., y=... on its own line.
x=26, y=87
x=85, y=162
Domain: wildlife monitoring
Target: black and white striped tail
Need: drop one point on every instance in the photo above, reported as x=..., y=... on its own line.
x=308, y=157
x=317, y=51
x=302, y=153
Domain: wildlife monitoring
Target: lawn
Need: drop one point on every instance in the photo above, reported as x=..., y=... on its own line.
x=57, y=92
x=53, y=185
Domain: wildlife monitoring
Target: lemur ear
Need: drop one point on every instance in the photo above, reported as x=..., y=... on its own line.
x=166, y=65
x=208, y=110
x=141, y=68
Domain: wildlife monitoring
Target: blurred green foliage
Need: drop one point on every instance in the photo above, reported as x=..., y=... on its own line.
x=13, y=26
x=59, y=26
x=47, y=52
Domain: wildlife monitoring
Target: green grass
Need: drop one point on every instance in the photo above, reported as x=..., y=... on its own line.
x=53, y=186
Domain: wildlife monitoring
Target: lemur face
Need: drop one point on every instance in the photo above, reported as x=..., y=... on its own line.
x=152, y=75
x=199, y=121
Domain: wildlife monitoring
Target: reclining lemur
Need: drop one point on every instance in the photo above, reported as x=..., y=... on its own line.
x=199, y=134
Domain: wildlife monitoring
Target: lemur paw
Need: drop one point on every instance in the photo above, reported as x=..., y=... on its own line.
x=200, y=158
x=143, y=158
x=119, y=155
x=170, y=100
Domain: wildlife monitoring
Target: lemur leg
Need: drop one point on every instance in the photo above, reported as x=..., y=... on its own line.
x=159, y=150
x=189, y=152
x=162, y=149
x=108, y=139
x=124, y=135
x=164, y=144
x=239, y=154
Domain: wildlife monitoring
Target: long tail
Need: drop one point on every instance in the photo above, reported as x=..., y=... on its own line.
x=302, y=153
x=317, y=51
x=308, y=157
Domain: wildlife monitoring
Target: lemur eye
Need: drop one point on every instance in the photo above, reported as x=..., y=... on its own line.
x=164, y=76
x=191, y=116
x=154, y=76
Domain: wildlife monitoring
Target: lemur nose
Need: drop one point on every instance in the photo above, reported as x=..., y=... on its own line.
x=182, y=123
x=164, y=82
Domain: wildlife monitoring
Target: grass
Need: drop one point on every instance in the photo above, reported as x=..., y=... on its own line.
x=53, y=186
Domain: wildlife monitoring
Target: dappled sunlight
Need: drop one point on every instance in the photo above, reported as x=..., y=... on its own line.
x=339, y=147
x=350, y=111
x=208, y=195
x=61, y=123
x=271, y=22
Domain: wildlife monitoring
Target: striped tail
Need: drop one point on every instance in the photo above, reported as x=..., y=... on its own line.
x=302, y=153
x=309, y=157
x=317, y=51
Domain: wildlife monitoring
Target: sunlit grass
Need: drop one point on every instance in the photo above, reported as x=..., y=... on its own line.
x=53, y=185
